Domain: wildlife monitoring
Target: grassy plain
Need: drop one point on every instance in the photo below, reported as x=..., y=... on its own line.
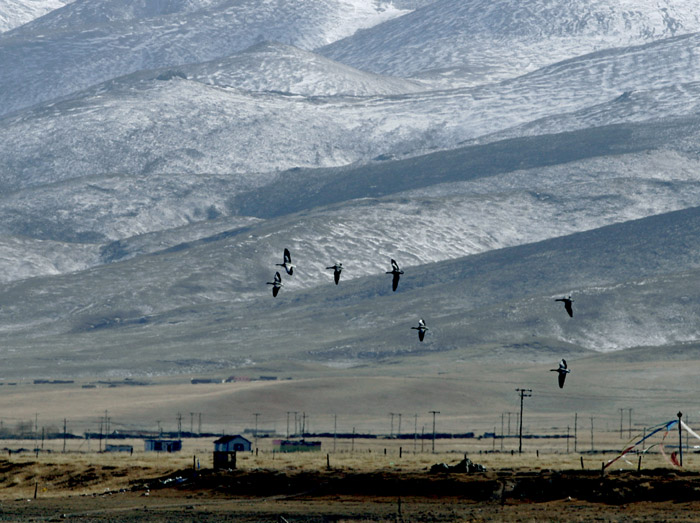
x=606, y=401
x=362, y=484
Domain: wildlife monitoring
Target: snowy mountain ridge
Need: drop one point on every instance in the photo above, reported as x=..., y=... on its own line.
x=506, y=38
x=198, y=119
x=14, y=13
x=157, y=158
x=85, y=55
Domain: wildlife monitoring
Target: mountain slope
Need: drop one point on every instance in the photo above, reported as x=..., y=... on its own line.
x=163, y=313
x=41, y=66
x=157, y=157
x=14, y=13
x=446, y=204
x=290, y=70
x=505, y=38
x=175, y=120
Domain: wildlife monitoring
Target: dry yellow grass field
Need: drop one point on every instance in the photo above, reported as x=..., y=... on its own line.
x=87, y=485
x=82, y=471
x=481, y=398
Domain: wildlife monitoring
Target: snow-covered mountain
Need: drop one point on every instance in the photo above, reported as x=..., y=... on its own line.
x=157, y=157
x=158, y=306
x=14, y=13
x=207, y=117
x=77, y=48
x=484, y=40
x=289, y=70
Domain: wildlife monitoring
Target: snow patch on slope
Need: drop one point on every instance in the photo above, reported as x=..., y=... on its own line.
x=169, y=121
x=290, y=70
x=489, y=40
x=40, y=65
x=22, y=258
x=14, y=13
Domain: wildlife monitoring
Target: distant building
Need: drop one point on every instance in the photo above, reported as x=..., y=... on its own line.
x=260, y=433
x=162, y=445
x=232, y=444
x=225, y=449
x=285, y=445
x=119, y=448
x=232, y=379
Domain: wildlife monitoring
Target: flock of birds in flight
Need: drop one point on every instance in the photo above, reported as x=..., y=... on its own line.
x=396, y=273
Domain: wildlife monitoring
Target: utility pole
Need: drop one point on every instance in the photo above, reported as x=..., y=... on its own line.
x=568, y=430
x=391, y=434
x=621, y=411
x=524, y=393
x=191, y=423
x=415, y=431
x=199, y=424
x=502, y=416
x=680, y=438
x=434, y=412
x=64, y=435
x=179, y=425
x=399, y=431
x=335, y=430
x=107, y=419
x=576, y=432
x=255, y=434
x=288, y=413
x=592, y=434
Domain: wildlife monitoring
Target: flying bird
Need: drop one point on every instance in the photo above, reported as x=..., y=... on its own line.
x=563, y=370
x=337, y=269
x=421, y=329
x=567, y=305
x=397, y=274
x=276, y=284
x=287, y=263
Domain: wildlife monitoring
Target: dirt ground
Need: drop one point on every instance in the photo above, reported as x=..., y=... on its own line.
x=98, y=487
x=161, y=508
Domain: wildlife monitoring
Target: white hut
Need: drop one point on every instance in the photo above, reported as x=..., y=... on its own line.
x=232, y=444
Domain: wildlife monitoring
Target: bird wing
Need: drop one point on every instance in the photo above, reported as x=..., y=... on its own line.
x=278, y=278
x=562, y=377
x=395, y=282
x=421, y=322
x=421, y=334
x=336, y=277
x=287, y=256
x=569, y=308
x=394, y=265
x=275, y=290
x=562, y=364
